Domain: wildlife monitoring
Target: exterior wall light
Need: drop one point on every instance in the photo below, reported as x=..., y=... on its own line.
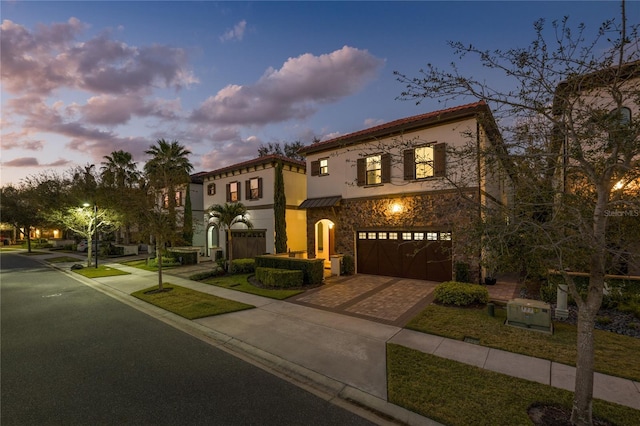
x=396, y=208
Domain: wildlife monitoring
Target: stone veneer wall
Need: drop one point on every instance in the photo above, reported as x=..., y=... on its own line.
x=440, y=211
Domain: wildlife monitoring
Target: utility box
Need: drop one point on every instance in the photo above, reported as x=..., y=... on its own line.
x=530, y=314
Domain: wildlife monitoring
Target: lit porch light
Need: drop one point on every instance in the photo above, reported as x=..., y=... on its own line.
x=396, y=208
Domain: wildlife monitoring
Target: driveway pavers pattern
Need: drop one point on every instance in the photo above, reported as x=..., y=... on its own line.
x=383, y=299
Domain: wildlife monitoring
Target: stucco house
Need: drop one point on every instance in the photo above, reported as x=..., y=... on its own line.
x=394, y=196
x=252, y=183
x=603, y=106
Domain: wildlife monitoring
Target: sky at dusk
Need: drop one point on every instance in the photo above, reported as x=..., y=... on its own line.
x=81, y=79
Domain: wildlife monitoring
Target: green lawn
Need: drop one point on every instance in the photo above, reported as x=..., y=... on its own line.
x=615, y=354
x=454, y=394
x=142, y=264
x=239, y=282
x=189, y=303
x=63, y=259
x=99, y=272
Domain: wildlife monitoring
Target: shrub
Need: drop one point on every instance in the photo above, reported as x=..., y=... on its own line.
x=243, y=266
x=461, y=294
x=462, y=272
x=166, y=261
x=312, y=269
x=348, y=265
x=279, y=278
x=548, y=293
x=200, y=276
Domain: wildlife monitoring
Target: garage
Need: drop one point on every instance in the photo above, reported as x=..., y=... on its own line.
x=415, y=254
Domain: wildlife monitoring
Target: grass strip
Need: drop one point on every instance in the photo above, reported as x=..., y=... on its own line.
x=63, y=259
x=99, y=272
x=240, y=282
x=189, y=303
x=454, y=394
x=142, y=264
x=615, y=354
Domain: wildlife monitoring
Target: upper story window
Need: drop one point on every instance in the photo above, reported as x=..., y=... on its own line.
x=254, y=188
x=620, y=125
x=211, y=189
x=178, y=199
x=374, y=169
x=324, y=166
x=425, y=161
x=233, y=192
x=320, y=167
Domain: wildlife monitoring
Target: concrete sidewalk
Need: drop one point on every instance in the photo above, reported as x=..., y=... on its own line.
x=341, y=356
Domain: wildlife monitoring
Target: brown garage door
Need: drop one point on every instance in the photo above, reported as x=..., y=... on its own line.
x=423, y=255
x=248, y=243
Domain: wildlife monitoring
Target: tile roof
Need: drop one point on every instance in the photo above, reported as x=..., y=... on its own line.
x=403, y=124
x=256, y=162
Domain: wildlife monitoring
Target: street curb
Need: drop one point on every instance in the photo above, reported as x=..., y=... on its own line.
x=368, y=406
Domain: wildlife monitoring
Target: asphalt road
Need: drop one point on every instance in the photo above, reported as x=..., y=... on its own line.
x=72, y=355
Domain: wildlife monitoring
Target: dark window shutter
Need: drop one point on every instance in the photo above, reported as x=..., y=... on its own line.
x=439, y=159
x=409, y=164
x=239, y=191
x=362, y=171
x=386, y=167
x=228, y=192
x=315, y=168
x=247, y=188
x=259, y=187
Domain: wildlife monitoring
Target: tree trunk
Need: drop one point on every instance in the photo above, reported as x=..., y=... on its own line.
x=159, y=244
x=230, y=256
x=89, y=249
x=581, y=413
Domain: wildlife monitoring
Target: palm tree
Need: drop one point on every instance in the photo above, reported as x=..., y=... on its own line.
x=167, y=170
x=228, y=214
x=119, y=170
x=121, y=178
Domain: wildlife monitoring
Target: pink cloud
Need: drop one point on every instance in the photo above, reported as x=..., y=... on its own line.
x=51, y=57
x=293, y=91
x=33, y=162
x=236, y=33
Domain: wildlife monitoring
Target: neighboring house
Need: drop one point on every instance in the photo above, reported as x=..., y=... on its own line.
x=252, y=184
x=608, y=97
x=393, y=196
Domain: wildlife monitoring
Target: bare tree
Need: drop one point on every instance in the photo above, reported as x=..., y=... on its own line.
x=568, y=113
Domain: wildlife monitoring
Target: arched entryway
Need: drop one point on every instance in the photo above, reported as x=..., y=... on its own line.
x=325, y=240
x=213, y=243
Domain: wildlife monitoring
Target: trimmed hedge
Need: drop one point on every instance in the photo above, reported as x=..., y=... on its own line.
x=243, y=266
x=460, y=294
x=279, y=278
x=312, y=269
x=348, y=265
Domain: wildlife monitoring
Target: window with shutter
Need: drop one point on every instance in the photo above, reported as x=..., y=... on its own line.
x=440, y=160
x=233, y=192
x=324, y=166
x=409, y=165
x=315, y=168
x=254, y=188
x=211, y=189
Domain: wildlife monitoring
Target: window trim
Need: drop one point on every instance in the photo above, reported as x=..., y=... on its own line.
x=439, y=161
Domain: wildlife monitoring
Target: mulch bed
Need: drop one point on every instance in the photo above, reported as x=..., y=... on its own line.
x=552, y=415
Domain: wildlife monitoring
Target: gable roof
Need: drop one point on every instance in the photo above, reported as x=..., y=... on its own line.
x=399, y=126
x=267, y=159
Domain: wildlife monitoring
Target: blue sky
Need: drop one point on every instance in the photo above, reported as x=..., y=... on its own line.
x=81, y=79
